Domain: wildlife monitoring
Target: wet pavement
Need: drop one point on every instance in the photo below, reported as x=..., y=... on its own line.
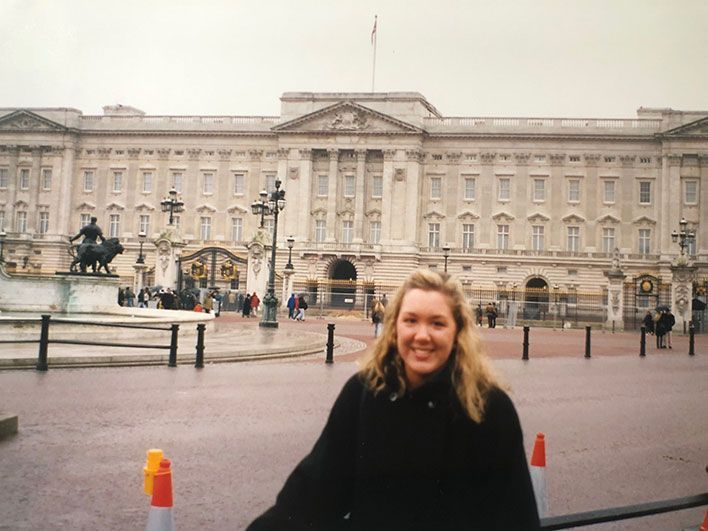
x=619, y=429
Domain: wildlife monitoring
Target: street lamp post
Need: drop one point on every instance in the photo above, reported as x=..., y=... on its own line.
x=275, y=203
x=141, y=238
x=555, y=305
x=684, y=237
x=172, y=204
x=3, y=235
x=291, y=243
x=446, y=253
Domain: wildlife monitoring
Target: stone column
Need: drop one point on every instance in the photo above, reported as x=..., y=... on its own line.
x=682, y=292
x=387, y=199
x=288, y=277
x=332, y=195
x=169, y=247
x=139, y=280
x=304, y=175
x=14, y=153
x=615, y=298
x=359, y=199
x=412, y=180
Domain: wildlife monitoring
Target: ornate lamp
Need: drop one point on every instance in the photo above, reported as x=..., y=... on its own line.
x=172, y=204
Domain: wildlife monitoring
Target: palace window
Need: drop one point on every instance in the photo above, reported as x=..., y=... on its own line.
x=539, y=189
x=502, y=236
x=21, y=221
x=3, y=177
x=377, y=186
x=177, y=181
x=690, y=192
x=176, y=222
x=574, y=190
x=644, y=192
x=349, y=184
x=238, y=183
x=504, y=192
x=320, y=230
x=537, y=237
x=347, y=231
x=236, y=229
x=435, y=188
x=207, y=183
x=322, y=185
x=375, y=232
x=268, y=225
x=2, y=220
x=434, y=235
x=47, y=179
x=43, y=222
x=24, y=178
x=113, y=226
x=644, y=241
x=88, y=181
x=470, y=188
x=574, y=239
x=608, y=240
x=205, y=227
x=117, y=181
x=609, y=191
x=144, y=223
x=147, y=182
x=270, y=182
x=467, y=236
x=84, y=220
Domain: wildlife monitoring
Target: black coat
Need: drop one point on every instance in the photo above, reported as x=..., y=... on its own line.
x=410, y=463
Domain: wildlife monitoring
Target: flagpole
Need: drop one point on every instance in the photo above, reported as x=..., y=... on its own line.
x=373, y=69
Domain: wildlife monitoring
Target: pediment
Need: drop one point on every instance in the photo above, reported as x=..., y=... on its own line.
x=608, y=218
x=373, y=212
x=644, y=220
x=573, y=218
x=144, y=206
x=319, y=211
x=205, y=208
x=537, y=216
x=23, y=120
x=347, y=117
x=503, y=215
x=467, y=214
x=21, y=204
x=434, y=214
x=115, y=206
x=236, y=208
x=86, y=206
x=697, y=128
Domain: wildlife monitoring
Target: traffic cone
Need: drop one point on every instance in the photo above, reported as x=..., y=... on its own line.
x=154, y=456
x=538, y=474
x=160, y=517
x=704, y=525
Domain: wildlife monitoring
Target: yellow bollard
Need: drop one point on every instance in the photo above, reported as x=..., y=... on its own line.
x=154, y=456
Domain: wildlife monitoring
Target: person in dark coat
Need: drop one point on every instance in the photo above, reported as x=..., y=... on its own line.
x=648, y=323
x=246, y=308
x=422, y=438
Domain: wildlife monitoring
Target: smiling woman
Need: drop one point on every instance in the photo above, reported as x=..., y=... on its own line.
x=423, y=437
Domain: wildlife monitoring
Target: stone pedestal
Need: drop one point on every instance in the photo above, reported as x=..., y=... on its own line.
x=615, y=298
x=287, y=286
x=682, y=292
x=258, y=264
x=169, y=248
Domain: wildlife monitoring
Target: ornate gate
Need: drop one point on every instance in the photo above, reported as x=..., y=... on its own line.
x=644, y=293
x=212, y=268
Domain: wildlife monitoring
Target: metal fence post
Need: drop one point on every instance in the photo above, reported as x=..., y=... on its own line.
x=330, y=343
x=525, y=355
x=43, y=344
x=199, y=364
x=691, y=339
x=173, y=347
x=587, y=341
x=643, y=342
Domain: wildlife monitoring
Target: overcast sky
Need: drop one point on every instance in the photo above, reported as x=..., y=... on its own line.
x=558, y=58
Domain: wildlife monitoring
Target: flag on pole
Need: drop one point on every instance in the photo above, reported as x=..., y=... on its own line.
x=373, y=31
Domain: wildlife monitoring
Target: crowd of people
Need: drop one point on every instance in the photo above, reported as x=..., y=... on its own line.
x=661, y=323
x=167, y=299
x=296, y=307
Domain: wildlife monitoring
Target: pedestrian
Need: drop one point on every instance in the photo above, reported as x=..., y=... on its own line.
x=208, y=302
x=669, y=322
x=167, y=299
x=377, y=316
x=490, y=311
x=648, y=323
x=384, y=301
x=129, y=297
x=216, y=296
x=246, y=308
x=301, y=306
x=239, y=302
x=423, y=437
x=291, y=306
x=121, y=297
x=479, y=314
x=255, y=302
x=142, y=300
x=659, y=330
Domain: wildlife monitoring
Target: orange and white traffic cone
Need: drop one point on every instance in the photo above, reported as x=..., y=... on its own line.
x=538, y=474
x=704, y=525
x=160, y=517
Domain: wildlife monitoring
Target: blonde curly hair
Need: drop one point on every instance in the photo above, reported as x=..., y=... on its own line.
x=472, y=374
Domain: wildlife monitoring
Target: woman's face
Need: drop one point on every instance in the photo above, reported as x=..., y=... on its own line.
x=426, y=332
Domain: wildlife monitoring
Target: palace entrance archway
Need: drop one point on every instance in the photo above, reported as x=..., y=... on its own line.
x=536, y=303
x=343, y=277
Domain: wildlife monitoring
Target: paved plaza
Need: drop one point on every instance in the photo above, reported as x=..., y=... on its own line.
x=620, y=429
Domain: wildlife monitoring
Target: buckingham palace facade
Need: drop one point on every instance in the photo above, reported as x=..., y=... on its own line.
x=377, y=184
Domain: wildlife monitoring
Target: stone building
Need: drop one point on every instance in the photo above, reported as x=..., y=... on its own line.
x=377, y=184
